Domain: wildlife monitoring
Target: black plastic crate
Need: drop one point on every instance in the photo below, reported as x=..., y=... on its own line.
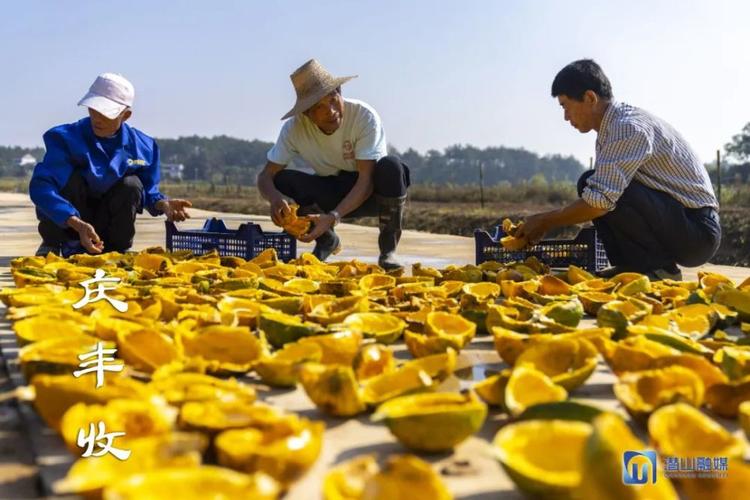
x=247, y=241
x=585, y=250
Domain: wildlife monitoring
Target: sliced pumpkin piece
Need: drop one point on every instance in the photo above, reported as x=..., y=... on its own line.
x=568, y=313
x=643, y=392
x=724, y=399
x=492, y=389
x=294, y=224
x=285, y=305
x=337, y=310
x=58, y=355
x=734, y=361
x=338, y=348
x=432, y=422
x=420, y=345
x=282, y=328
x=636, y=286
x=437, y=366
x=89, y=476
x=528, y=386
x=135, y=418
x=680, y=430
x=634, y=353
x=55, y=394
x=373, y=282
x=455, y=326
x=593, y=301
x=338, y=287
x=603, y=462
x=709, y=373
x=744, y=417
x=405, y=477
x=723, y=486
x=332, y=388
x=346, y=481
x=621, y=314
x=509, y=344
x=543, y=457
x=561, y=410
x=568, y=362
x=216, y=416
x=146, y=349
x=738, y=300
x=181, y=388
x=577, y=275
x=284, y=451
x=373, y=360
x=387, y=386
x=482, y=292
x=300, y=286
x=384, y=328
x=246, y=311
x=188, y=483
x=229, y=349
x=152, y=262
x=49, y=326
x=280, y=368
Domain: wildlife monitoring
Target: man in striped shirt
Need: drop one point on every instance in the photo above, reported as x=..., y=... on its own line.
x=649, y=196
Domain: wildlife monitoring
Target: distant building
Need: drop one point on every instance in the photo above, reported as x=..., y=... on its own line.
x=26, y=160
x=172, y=171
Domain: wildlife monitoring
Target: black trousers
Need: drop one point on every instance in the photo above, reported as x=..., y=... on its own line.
x=648, y=229
x=390, y=178
x=112, y=214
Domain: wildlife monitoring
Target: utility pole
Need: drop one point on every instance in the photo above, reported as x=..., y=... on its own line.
x=481, y=183
x=718, y=175
x=591, y=162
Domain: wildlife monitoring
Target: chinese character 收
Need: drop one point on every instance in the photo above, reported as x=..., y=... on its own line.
x=94, y=438
x=103, y=284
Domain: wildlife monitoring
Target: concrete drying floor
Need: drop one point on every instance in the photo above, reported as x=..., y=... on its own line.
x=31, y=456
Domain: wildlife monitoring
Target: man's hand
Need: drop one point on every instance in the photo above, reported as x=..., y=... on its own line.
x=279, y=211
x=321, y=224
x=174, y=209
x=534, y=228
x=87, y=235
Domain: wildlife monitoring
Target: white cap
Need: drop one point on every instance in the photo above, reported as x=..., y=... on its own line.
x=110, y=94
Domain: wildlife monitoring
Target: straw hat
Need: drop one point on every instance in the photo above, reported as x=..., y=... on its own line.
x=312, y=82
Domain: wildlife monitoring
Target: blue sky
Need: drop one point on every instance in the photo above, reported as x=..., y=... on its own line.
x=438, y=72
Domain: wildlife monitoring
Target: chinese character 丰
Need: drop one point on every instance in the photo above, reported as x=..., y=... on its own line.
x=99, y=363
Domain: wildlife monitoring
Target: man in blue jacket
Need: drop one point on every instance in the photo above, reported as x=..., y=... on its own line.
x=96, y=175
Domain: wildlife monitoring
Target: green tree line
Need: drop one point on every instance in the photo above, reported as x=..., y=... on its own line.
x=231, y=161
x=227, y=160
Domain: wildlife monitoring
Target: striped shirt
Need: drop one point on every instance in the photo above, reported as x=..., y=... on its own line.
x=635, y=145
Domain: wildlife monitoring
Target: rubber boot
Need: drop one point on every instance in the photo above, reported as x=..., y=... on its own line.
x=391, y=215
x=44, y=249
x=326, y=244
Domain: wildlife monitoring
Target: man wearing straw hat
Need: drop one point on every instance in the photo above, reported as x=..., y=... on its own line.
x=344, y=142
x=96, y=175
